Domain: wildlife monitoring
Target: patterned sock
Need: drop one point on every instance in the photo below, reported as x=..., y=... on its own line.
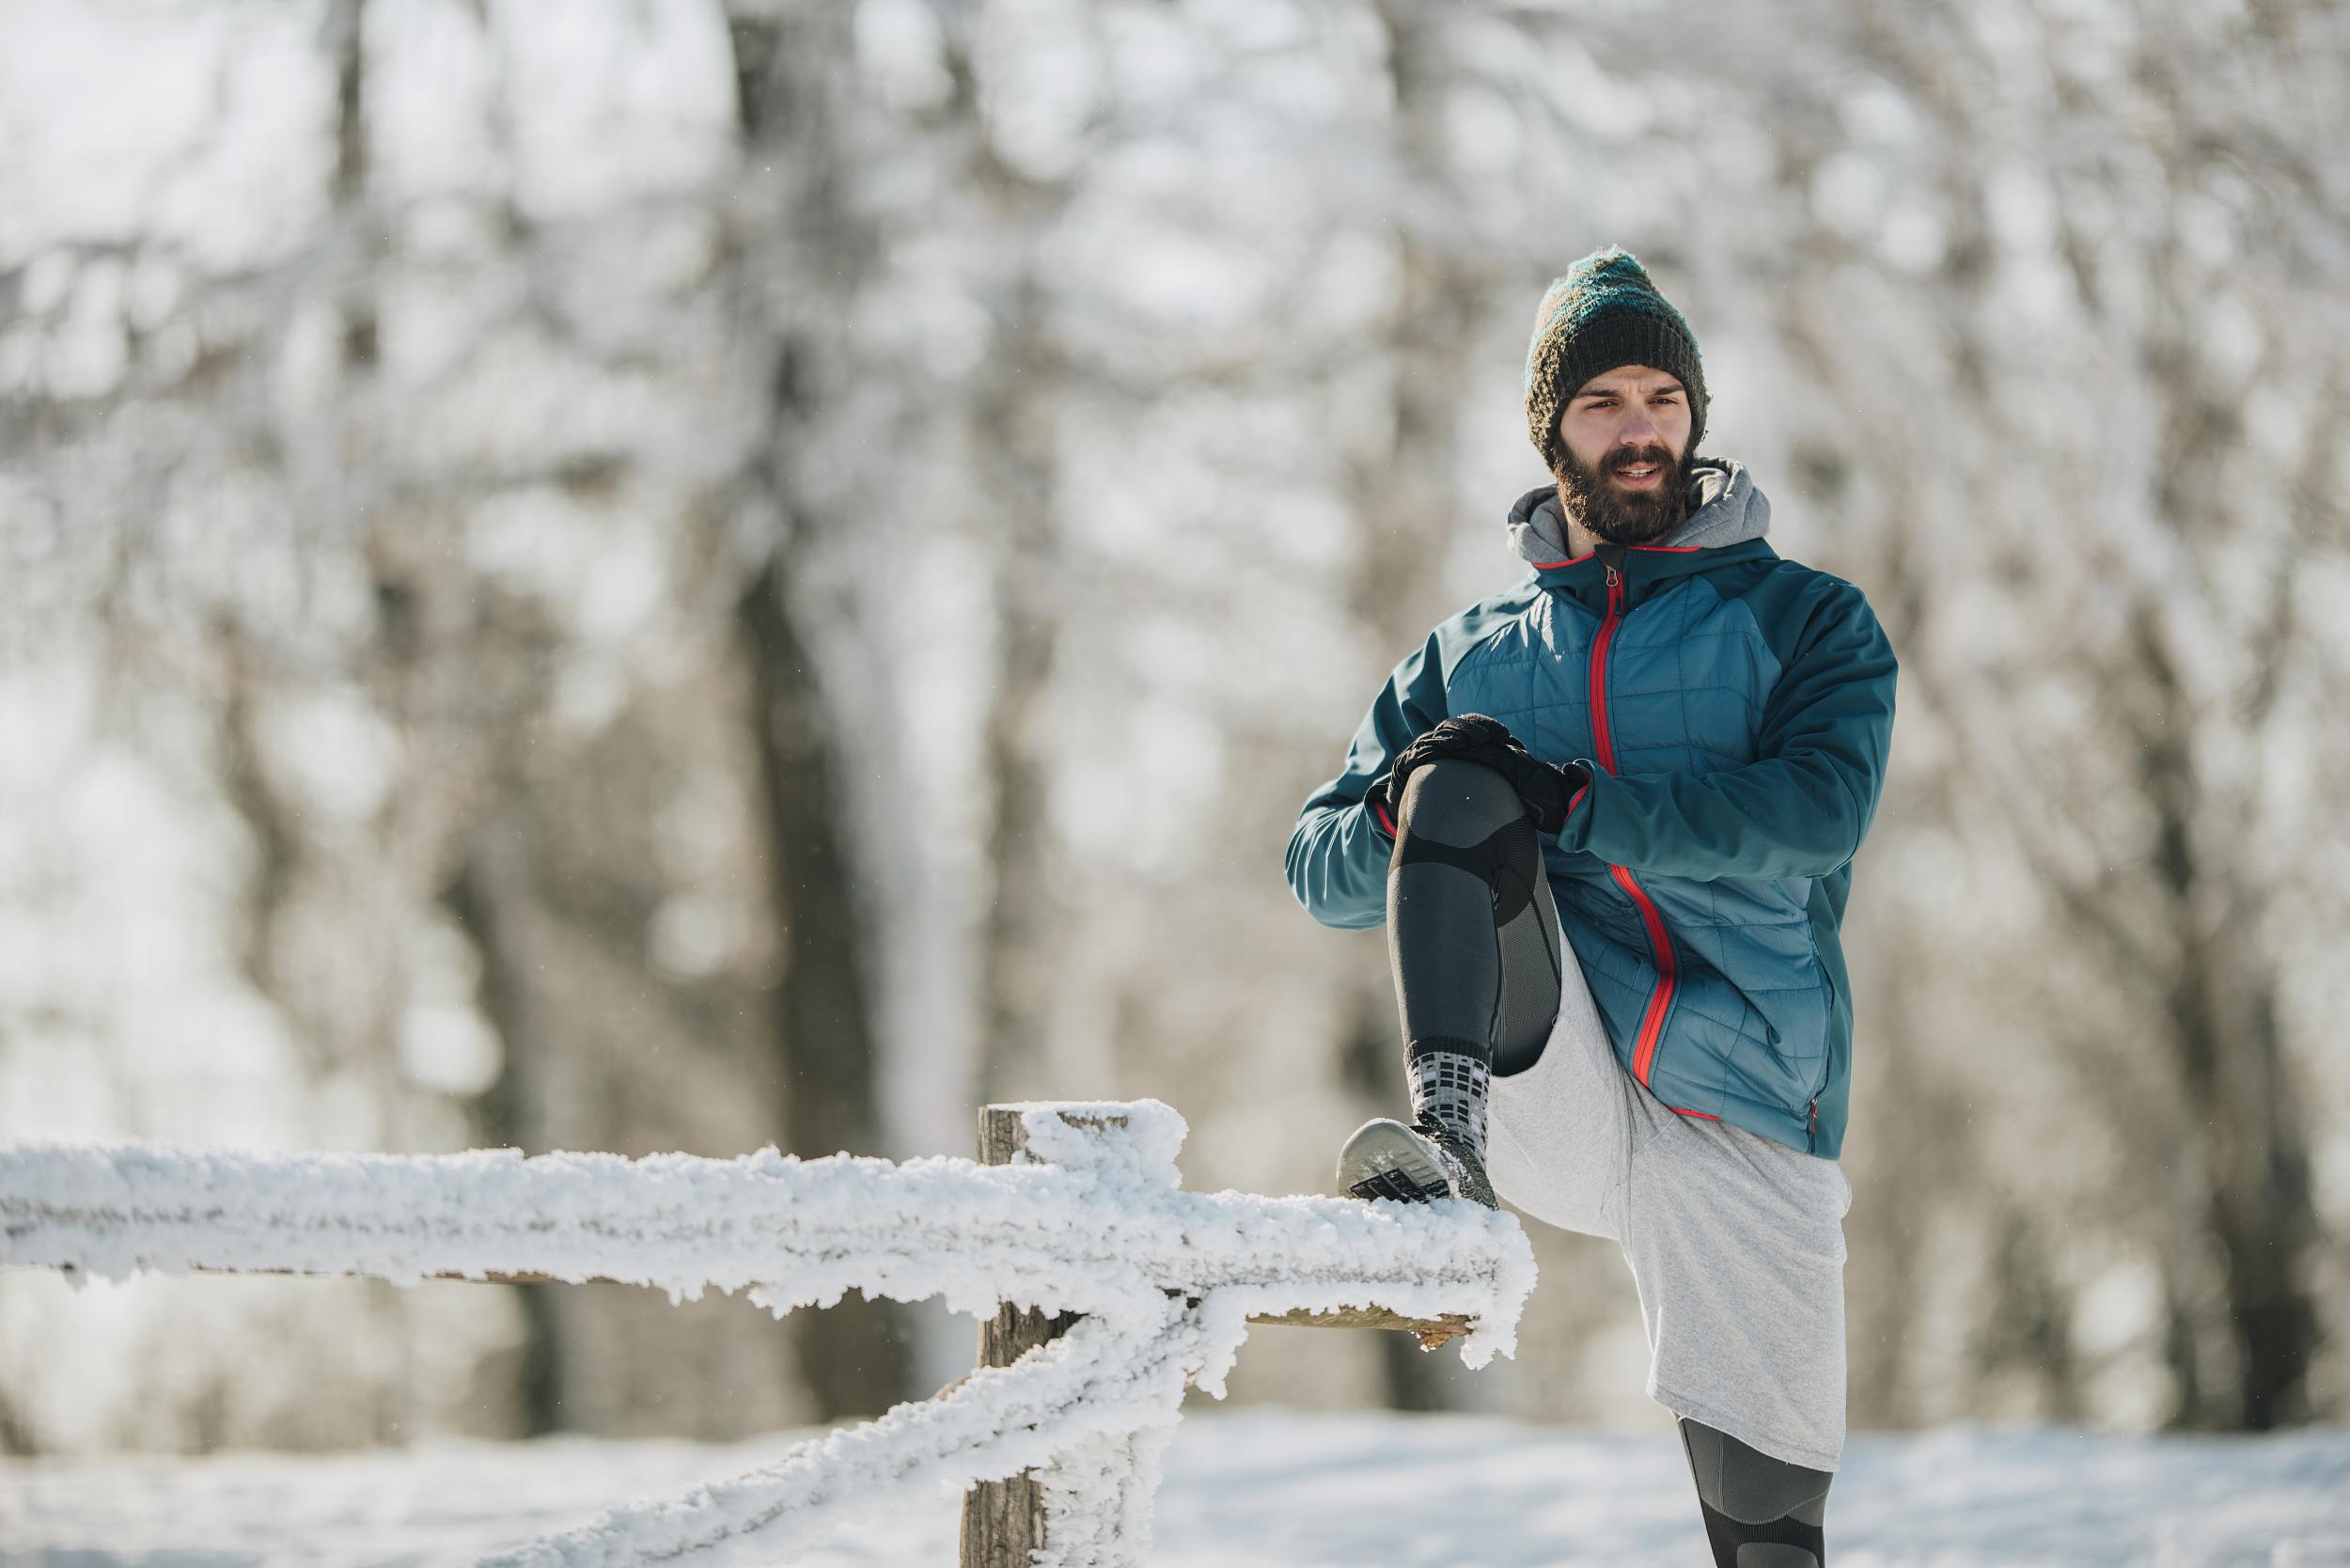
x=1448, y=1082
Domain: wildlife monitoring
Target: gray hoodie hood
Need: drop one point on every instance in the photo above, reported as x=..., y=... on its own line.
x=1724, y=509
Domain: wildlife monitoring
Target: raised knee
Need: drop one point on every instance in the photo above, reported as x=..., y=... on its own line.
x=1458, y=802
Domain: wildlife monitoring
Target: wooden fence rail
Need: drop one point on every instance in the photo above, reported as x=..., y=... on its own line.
x=1184, y=1275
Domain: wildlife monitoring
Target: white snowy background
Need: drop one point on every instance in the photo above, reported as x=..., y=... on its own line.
x=1263, y=1488
x=660, y=574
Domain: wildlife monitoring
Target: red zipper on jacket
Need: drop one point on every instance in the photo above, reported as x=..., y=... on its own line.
x=1660, y=941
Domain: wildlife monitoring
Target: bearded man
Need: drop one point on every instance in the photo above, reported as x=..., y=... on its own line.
x=1608, y=816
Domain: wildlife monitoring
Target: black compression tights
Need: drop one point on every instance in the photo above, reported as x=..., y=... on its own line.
x=1472, y=928
x=1760, y=1512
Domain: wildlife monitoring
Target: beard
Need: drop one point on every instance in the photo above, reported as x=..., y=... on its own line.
x=1593, y=498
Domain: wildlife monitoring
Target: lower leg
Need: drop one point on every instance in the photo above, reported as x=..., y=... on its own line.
x=1473, y=938
x=1475, y=941
x=1760, y=1512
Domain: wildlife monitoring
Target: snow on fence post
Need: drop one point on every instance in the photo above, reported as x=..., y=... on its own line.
x=1100, y=1489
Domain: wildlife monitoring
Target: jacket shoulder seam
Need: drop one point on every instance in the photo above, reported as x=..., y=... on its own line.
x=1503, y=614
x=1810, y=592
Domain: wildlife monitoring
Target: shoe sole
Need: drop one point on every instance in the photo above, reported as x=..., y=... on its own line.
x=1387, y=1159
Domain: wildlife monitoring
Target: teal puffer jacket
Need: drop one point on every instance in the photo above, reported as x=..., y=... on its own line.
x=1735, y=710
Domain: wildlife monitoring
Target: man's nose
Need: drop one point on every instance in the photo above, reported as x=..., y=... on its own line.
x=1637, y=429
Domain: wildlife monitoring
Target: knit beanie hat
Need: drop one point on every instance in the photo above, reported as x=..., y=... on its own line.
x=1604, y=313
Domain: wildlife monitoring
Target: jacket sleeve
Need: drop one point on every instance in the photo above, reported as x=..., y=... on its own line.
x=1803, y=807
x=1338, y=855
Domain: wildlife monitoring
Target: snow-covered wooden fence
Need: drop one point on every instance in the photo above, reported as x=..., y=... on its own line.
x=1087, y=1219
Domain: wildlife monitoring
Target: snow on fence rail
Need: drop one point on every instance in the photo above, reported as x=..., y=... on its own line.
x=1089, y=1219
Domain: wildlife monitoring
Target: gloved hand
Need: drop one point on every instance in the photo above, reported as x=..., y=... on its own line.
x=1487, y=742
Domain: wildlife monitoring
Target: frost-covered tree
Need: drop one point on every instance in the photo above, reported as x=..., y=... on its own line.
x=716, y=573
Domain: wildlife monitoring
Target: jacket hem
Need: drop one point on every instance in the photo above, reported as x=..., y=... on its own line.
x=1790, y=1129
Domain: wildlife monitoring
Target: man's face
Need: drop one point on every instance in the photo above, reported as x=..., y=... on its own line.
x=1626, y=434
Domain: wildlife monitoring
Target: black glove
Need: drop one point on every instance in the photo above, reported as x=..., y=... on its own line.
x=1487, y=742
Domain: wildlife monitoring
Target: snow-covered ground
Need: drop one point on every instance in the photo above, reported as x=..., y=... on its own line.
x=1257, y=1488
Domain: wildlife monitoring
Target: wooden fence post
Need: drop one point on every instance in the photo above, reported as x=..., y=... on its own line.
x=1004, y=1522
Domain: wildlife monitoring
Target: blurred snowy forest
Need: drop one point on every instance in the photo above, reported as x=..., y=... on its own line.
x=649, y=574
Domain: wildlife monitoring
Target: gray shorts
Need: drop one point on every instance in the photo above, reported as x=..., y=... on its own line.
x=1736, y=1243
